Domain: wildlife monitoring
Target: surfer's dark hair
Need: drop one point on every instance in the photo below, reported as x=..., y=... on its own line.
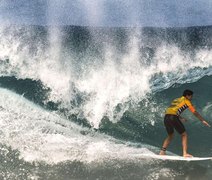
x=188, y=92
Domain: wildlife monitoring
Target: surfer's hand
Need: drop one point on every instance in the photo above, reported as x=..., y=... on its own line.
x=206, y=124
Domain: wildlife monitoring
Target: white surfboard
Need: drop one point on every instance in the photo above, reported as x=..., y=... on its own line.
x=172, y=158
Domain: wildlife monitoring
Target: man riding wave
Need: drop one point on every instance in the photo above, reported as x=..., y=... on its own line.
x=172, y=120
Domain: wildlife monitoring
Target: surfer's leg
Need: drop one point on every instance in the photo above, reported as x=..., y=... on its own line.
x=179, y=127
x=185, y=144
x=166, y=144
x=170, y=132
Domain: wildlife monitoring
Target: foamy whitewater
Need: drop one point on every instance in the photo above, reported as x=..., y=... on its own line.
x=82, y=102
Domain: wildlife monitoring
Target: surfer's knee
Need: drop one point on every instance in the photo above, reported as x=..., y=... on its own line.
x=184, y=134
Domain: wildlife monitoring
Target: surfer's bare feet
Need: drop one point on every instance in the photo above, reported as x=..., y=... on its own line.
x=187, y=155
x=162, y=153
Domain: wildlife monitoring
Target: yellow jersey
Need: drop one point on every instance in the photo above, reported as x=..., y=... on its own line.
x=179, y=105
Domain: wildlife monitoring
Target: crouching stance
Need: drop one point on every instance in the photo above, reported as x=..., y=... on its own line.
x=172, y=120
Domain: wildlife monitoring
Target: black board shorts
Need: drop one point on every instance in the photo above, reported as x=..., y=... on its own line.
x=172, y=122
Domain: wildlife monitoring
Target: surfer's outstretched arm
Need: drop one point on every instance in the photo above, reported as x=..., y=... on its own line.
x=201, y=119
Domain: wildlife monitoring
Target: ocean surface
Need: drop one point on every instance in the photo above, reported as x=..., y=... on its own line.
x=80, y=103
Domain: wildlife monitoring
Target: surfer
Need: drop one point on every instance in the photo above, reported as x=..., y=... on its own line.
x=172, y=120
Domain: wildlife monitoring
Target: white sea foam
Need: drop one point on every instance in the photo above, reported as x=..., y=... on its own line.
x=43, y=136
x=106, y=85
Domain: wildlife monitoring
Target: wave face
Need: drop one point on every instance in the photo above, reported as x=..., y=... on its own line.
x=82, y=101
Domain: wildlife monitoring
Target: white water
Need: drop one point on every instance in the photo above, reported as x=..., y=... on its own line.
x=104, y=86
x=40, y=135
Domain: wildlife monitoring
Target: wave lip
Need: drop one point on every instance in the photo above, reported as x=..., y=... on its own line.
x=92, y=72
